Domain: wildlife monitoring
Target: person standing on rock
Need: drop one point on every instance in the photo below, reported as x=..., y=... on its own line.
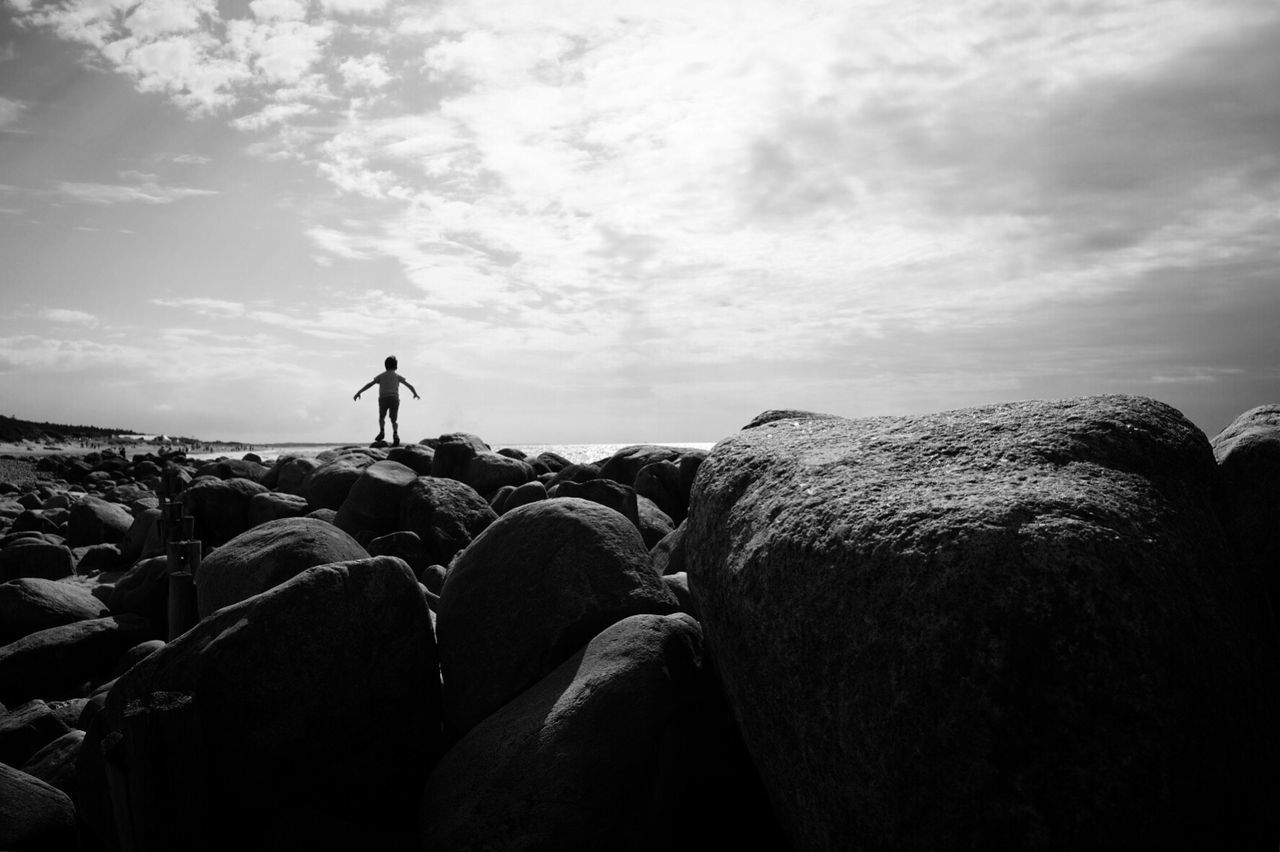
x=388, y=382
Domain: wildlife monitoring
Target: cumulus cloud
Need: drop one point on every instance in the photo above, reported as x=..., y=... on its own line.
x=10, y=112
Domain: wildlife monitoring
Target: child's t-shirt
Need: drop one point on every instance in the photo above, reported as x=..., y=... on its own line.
x=388, y=383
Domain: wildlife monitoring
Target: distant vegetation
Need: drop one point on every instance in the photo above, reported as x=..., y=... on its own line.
x=13, y=429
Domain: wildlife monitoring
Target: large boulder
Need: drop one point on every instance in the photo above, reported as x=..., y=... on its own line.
x=487, y=472
x=446, y=514
x=34, y=603
x=1248, y=454
x=220, y=507
x=317, y=699
x=531, y=590
x=142, y=539
x=33, y=814
x=373, y=504
x=33, y=557
x=66, y=661
x=417, y=457
x=1017, y=625
x=55, y=763
x=328, y=485
x=233, y=469
x=96, y=521
x=143, y=590
x=274, y=505
x=607, y=492
x=619, y=747
x=266, y=556
x=626, y=463
x=26, y=729
x=288, y=474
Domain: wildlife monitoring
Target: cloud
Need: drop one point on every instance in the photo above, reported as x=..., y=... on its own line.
x=272, y=114
x=65, y=315
x=205, y=306
x=368, y=72
x=10, y=112
x=188, y=159
x=147, y=192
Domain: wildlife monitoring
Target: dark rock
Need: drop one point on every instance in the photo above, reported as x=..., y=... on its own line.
x=55, y=763
x=34, y=520
x=61, y=662
x=96, y=558
x=142, y=539
x=446, y=515
x=220, y=507
x=607, y=492
x=668, y=554
x=135, y=655
x=450, y=461
x=1248, y=455
x=654, y=523
x=405, y=545
x=416, y=457
x=573, y=473
x=143, y=590
x=30, y=604
x=33, y=814
x=1017, y=625
x=328, y=485
x=320, y=693
x=289, y=473
x=233, y=469
x=530, y=492
x=619, y=747
x=549, y=462
x=625, y=464
x=662, y=483
x=26, y=729
x=266, y=556
x=373, y=503
x=35, y=558
x=498, y=500
x=432, y=577
x=463, y=438
x=529, y=591
x=678, y=585
x=274, y=505
x=487, y=472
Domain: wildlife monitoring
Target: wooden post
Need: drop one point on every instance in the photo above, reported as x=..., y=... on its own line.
x=183, y=559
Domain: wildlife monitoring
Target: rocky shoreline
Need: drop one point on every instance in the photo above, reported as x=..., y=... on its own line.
x=1029, y=625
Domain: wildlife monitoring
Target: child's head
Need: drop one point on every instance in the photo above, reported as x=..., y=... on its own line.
x=391, y=362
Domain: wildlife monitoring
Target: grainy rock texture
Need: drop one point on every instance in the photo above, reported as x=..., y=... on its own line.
x=31, y=604
x=446, y=515
x=1012, y=626
x=530, y=591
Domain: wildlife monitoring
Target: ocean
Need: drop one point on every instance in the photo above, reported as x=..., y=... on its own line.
x=579, y=453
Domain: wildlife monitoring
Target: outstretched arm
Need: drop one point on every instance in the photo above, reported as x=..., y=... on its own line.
x=362, y=390
x=405, y=382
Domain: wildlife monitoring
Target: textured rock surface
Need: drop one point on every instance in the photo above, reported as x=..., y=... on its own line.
x=59, y=662
x=266, y=556
x=33, y=814
x=530, y=591
x=446, y=515
x=1018, y=625
x=373, y=504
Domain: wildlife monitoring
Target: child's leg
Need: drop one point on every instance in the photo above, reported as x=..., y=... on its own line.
x=394, y=408
x=382, y=417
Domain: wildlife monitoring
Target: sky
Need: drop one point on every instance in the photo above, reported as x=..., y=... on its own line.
x=631, y=221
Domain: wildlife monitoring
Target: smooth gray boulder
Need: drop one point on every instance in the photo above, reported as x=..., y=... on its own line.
x=445, y=514
x=1015, y=625
x=34, y=815
x=1248, y=455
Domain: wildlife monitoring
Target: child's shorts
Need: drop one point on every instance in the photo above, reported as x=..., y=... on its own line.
x=389, y=404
